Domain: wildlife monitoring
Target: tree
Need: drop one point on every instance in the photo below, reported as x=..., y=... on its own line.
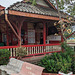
x=67, y=6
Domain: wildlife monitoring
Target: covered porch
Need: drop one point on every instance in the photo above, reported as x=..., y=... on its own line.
x=35, y=32
x=36, y=35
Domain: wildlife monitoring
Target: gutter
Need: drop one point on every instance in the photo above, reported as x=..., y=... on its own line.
x=7, y=20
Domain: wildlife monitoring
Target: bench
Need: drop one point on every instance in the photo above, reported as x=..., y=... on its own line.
x=14, y=66
x=30, y=69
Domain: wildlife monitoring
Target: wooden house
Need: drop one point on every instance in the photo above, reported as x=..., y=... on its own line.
x=23, y=24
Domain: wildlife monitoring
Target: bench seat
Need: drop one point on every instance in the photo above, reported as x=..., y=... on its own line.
x=30, y=69
x=14, y=66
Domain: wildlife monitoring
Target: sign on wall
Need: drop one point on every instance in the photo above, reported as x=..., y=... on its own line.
x=54, y=38
x=31, y=36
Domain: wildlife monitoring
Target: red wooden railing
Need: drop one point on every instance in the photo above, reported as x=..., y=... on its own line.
x=12, y=50
x=70, y=35
x=34, y=49
x=42, y=49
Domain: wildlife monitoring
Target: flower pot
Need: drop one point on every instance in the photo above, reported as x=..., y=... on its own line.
x=61, y=73
x=49, y=74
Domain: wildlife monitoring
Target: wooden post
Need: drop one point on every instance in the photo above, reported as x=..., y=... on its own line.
x=62, y=38
x=7, y=35
x=44, y=36
x=44, y=33
x=19, y=33
x=8, y=22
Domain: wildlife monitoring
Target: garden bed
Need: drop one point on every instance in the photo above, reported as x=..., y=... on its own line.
x=49, y=74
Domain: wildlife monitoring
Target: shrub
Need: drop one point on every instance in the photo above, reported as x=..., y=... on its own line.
x=70, y=51
x=63, y=62
x=21, y=51
x=56, y=62
x=73, y=65
x=4, y=56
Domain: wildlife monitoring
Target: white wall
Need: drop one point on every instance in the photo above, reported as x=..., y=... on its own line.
x=73, y=28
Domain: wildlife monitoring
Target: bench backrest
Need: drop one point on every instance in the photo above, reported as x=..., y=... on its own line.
x=31, y=69
x=16, y=64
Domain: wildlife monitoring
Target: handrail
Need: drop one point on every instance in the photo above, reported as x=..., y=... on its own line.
x=41, y=45
x=70, y=35
x=6, y=47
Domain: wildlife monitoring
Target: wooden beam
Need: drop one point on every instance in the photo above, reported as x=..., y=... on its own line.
x=20, y=23
x=51, y=4
x=6, y=18
x=18, y=13
x=70, y=35
x=44, y=33
x=15, y=26
x=7, y=35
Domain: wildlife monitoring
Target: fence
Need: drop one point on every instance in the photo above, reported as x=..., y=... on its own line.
x=34, y=49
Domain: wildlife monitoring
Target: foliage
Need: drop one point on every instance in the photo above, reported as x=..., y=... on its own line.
x=65, y=26
x=59, y=61
x=56, y=62
x=73, y=65
x=69, y=50
x=4, y=56
x=32, y=1
x=65, y=5
x=21, y=51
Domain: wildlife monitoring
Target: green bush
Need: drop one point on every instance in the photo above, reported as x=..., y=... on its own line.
x=70, y=51
x=63, y=61
x=56, y=62
x=73, y=65
x=21, y=51
x=4, y=56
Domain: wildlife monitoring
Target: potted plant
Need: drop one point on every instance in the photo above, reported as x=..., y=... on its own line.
x=21, y=51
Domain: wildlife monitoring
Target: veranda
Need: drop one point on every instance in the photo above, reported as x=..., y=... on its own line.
x=33, y=30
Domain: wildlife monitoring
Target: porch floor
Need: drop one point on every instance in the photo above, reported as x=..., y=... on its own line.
x=33, y=59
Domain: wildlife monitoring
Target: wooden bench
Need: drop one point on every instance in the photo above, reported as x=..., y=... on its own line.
x=30, y=69
x=14, y=66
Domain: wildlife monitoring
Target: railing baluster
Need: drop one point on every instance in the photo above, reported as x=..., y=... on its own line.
x=30, y=50
x=41, y=49
x=13, y=51
x=34, y=50
x=11, y=54
x=27, y=50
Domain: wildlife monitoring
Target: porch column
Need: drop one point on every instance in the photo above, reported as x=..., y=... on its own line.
x=19, y=33
x=62, y=38
x=44, y=33
x=7, y=35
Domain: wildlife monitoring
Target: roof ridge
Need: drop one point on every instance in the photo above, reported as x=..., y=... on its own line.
x=50, y=4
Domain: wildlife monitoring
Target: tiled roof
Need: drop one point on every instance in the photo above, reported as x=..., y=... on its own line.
x=1, y=7
x=37, y=9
